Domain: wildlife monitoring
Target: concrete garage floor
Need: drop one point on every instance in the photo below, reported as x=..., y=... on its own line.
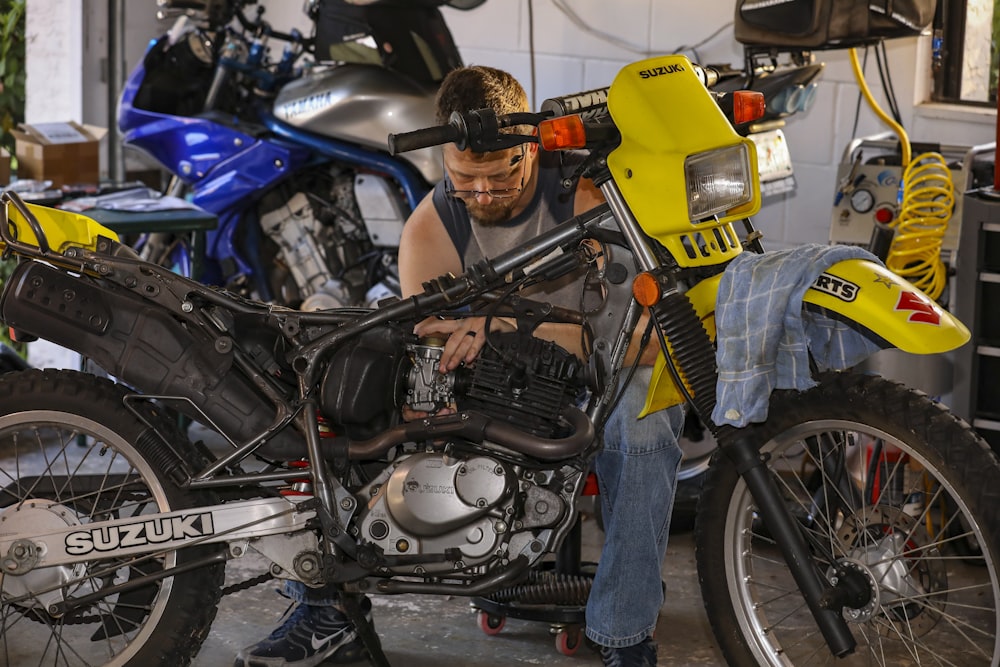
x=431, y=631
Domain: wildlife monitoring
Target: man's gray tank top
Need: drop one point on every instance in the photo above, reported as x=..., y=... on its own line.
x=551, y=204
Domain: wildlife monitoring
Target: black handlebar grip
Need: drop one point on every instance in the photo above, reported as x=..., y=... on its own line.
x=424, y=138
x=590, y=104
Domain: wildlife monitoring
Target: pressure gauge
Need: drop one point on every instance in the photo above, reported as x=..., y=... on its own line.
x=862, y=200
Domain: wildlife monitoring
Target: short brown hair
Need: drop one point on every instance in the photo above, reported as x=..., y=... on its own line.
x=479, y=87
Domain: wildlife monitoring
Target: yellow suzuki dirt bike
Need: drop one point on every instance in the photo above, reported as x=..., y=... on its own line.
x=858, y=520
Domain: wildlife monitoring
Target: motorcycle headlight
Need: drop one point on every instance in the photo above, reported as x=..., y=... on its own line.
x=717, y=181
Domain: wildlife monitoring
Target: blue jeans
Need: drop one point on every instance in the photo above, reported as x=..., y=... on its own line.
x=637, y=476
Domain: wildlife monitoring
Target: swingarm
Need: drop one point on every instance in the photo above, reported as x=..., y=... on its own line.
x=34, y=547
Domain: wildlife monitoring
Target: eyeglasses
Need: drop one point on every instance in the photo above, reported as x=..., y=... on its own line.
x=495, y=193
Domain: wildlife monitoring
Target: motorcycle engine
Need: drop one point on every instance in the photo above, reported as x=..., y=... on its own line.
x=457, y=505
x=435, y=512
x=335, y=236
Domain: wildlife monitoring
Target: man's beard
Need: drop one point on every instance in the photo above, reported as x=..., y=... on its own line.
x=494, y=213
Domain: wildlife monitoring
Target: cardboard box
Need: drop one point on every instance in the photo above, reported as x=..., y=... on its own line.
x=65, y=153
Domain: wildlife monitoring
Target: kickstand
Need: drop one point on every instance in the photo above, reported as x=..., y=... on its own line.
x=366, y=631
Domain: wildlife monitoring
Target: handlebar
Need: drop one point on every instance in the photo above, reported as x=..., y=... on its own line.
x=423, y=138
x=246, y=51
x=478, y=130
x=590, y=104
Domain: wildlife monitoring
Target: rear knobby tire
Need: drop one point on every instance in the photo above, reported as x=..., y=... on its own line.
x=891, y=487
x=71, y=452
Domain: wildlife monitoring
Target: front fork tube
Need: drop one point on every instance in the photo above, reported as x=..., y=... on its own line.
x=691, y=358
x=788, y=536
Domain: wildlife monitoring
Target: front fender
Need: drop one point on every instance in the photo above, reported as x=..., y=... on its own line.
x=856, y=290
x=889, y=306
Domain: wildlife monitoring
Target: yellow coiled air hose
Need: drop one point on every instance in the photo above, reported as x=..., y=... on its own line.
x=926, y=200
x=924, y=213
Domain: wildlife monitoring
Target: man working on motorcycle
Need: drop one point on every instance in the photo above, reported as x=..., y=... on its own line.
x=489, y=203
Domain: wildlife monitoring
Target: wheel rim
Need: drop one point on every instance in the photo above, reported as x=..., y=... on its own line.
x=58, y=467
x=892, y=523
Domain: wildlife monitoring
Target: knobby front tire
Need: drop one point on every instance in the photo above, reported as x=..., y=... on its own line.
x=890, y=488
x=71, y=453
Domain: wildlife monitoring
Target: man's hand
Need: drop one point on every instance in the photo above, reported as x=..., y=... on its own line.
x=466, y=337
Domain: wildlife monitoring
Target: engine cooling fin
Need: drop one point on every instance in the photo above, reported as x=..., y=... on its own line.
x=524, y=381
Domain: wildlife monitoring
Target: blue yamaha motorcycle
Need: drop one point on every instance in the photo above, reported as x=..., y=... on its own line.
x=289, y=150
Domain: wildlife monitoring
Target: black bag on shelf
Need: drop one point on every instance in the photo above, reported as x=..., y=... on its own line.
x=829, y=24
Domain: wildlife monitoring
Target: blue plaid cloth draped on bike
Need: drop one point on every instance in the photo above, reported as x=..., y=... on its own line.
x=764, y=336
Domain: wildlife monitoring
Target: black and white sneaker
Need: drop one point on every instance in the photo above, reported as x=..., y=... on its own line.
x=642, y=654
x=308, y=636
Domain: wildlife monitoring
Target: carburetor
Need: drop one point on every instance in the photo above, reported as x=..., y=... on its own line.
x=427, y=389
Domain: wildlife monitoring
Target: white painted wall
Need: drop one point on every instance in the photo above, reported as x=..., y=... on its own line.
x=65, y=36
x=54, y=65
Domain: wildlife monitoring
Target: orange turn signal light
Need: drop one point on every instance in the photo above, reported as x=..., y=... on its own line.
x=646, y=289
x=748, y=105
x=562, y=133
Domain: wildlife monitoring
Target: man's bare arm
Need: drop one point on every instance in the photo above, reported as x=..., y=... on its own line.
x=425, y=249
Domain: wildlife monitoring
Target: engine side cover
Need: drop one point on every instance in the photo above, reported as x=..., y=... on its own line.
x=431, y=494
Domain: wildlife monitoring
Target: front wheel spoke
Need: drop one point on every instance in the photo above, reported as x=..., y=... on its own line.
x=911, y=642
x=780, y=593
x=759, y=560
x=960, y=625
x=873, y=640
x=797, y=608
x=814, y=646
x=963, y=628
